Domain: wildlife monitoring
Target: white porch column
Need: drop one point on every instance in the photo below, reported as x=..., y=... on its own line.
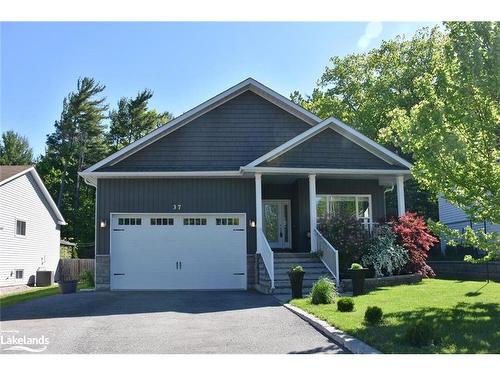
x=312, y=211
x=400, y=182
x=258, y=208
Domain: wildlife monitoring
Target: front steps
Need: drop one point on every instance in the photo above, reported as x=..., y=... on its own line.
x=313, y=268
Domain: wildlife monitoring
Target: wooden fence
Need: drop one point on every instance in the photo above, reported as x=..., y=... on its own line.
x=75, y=267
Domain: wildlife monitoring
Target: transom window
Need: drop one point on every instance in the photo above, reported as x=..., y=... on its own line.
x=20, y=228
x=129, y=221
x=359, y=206
x=195, y=221
x=162, y=221
x=227, y=221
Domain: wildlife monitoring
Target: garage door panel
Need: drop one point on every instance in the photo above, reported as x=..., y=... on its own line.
x=191, y=252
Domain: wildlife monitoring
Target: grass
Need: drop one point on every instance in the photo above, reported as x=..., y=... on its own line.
x=34, y=293
x=465, y=316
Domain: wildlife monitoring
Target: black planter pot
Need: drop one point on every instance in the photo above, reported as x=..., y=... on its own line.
x=296, y=279
x=67, y=287
x=358, y=281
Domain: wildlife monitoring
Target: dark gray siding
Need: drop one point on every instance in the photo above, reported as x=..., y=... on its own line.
x=329, y=149
x=229, y=136
x=298, y=193
x=159, y=195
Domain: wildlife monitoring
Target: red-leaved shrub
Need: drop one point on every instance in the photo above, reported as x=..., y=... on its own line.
x=414, y=236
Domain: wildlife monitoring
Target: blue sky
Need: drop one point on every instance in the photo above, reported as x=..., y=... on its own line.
x=183, y=63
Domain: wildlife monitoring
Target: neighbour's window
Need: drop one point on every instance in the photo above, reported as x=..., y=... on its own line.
x=20, y=228
x=19, y=274
x=358, y=206
x=227, y=221
x=162, y=221
x=130, y=221
x=195, y=221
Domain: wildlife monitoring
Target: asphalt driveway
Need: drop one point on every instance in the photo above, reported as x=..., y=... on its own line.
x=161, y=322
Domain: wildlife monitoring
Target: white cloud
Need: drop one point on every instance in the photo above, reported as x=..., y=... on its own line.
x=372, y=31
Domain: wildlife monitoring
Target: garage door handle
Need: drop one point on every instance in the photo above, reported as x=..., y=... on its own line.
x=180, y=265
x=119, y=274
x=238, y=230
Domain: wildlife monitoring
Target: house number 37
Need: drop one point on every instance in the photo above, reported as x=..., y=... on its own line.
x=177, y=207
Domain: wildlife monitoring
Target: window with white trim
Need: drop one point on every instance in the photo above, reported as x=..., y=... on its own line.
x=19, y=274
x=357, y=205
x=129, y=221
x=162, y=221
x=227, y=221
x=195, y=221
x=20, y=228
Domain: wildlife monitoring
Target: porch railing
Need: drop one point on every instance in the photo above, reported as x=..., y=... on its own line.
x=267, y=254
x=328, y=255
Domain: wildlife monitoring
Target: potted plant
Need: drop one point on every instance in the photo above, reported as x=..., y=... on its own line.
x=296, y=275
x=358, y=274
x=67, y=282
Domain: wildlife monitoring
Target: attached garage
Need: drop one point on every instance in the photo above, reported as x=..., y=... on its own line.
x=178, y=251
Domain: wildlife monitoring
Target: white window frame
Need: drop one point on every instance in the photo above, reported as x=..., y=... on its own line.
x=22, y=273
x=25, y=227
x=329, y=198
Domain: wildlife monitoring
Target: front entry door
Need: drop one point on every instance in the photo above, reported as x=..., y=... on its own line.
x=277, y=223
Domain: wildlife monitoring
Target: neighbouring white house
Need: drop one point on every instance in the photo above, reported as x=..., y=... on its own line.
x=29, y=226
x=455, y=218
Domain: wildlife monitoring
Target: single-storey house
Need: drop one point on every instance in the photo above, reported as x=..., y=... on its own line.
x=29, y=226
x=190, y=205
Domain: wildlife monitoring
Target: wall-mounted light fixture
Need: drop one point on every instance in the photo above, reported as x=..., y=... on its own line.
x=252, y=223
x=104, y=223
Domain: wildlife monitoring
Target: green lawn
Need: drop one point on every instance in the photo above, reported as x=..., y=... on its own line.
x=34, y=293
x=464, y=314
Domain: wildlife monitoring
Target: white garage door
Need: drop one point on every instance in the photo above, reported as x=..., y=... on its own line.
x=188, y=251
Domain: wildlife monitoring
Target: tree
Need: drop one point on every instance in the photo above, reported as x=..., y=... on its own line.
x=363, y=89
x=453, y=130
x=77, y=142
x=133, y=120
x=15, y=149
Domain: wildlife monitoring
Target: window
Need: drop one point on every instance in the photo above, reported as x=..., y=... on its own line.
x=195, y=221
x=162, y=221
x=19, y=274
x=20, y=228
x=227, y=221
x=130, y=221
x=347, y=205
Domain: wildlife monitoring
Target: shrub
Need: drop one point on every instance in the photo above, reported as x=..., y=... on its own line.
x=356, y=266
x=297, y=268
x=373, y=315
x=347, y=235
x=413, y=235
x=87, y=277
x=323, y=291
x=419, y=334
x=384, y=255
x=345, y=304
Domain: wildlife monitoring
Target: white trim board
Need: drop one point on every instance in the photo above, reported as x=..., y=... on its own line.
x=248, y=84
x=344, y=130
x=45, y=192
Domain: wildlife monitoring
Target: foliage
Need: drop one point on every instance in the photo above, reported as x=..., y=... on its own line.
x=364, y=89
x=133, y=120
x=373, y=315
x=356, y=266
x=297, y=269
x=465, y=316
x=323, y=291
x=345, y=304
x=77, y=142
x=87, y=278
x=452, y=130
x=419, y=334
x=413, y=235
x=68, y=252
x=347, y=235
x=479, y=239
x=15, y=149
x=384, y=255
